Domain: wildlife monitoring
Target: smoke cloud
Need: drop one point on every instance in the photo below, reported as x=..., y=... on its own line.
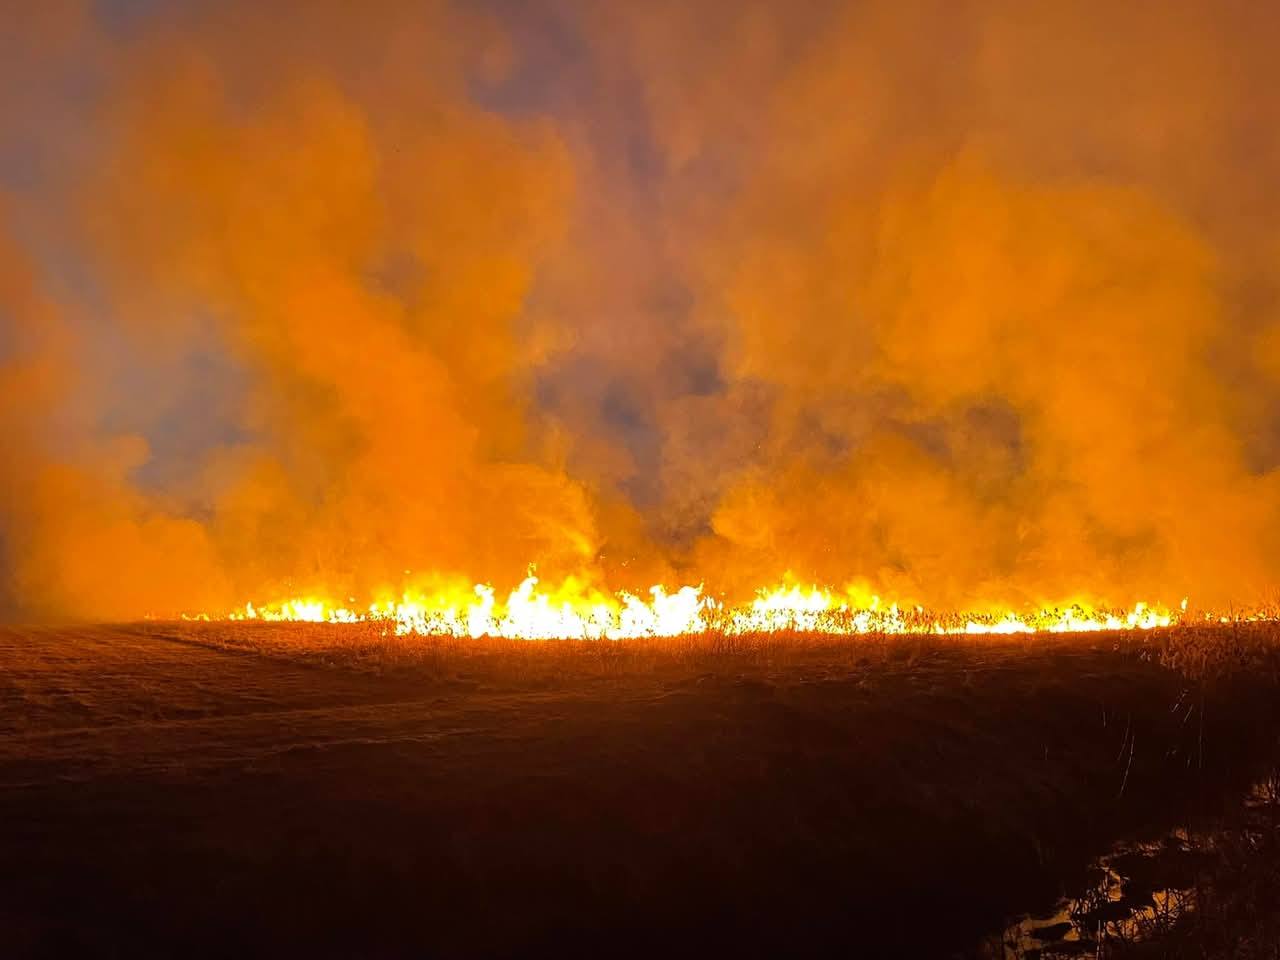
x=965, y=304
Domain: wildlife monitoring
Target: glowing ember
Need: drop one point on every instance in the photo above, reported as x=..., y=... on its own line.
x=574, y=611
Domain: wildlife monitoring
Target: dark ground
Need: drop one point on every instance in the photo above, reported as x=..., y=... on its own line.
x=163, y=795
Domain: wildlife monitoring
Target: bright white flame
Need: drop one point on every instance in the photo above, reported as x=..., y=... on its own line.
x=574, y=611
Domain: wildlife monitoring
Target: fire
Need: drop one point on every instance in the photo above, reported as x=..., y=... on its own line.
x=574, y=610
x=528, y=613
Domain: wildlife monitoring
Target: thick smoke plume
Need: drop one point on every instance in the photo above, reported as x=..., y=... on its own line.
x=963, y=304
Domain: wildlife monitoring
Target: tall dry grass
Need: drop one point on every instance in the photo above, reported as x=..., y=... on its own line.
x=1203, y=653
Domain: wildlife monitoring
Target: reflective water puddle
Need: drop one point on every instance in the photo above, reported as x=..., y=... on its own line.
x=1151, y=891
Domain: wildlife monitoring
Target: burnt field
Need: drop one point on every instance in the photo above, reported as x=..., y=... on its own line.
x=204, y=789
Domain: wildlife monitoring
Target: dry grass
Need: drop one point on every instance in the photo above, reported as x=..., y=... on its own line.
x=813, y=784
x=1203, y=653
x=370, y=648
x=1221, y=651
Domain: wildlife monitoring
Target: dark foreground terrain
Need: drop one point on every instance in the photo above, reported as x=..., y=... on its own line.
x=254, y=791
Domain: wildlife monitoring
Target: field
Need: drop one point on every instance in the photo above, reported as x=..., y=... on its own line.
x=210, y=789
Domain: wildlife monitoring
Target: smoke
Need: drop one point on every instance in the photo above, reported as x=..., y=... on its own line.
x=1000, y=272
x=969, y=304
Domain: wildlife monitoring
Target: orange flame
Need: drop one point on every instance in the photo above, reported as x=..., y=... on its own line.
x=576, y=611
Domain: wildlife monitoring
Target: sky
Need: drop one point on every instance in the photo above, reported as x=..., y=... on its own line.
x=964, y=303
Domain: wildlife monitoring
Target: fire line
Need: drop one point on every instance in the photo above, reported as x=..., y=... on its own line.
x=574, y=612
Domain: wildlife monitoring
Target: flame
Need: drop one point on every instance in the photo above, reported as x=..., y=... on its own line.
x=571, y=612
x=574, y=610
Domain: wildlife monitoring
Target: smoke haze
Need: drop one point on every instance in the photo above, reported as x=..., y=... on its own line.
x=968, y=304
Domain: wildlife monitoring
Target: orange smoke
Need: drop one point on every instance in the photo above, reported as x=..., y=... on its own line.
x=970, y=306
